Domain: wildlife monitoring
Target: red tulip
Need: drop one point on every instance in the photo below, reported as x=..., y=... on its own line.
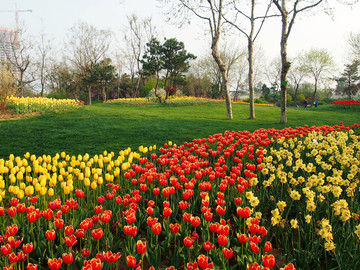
x=268, y=247
x=269, y=261
x=12, y=211
x=68, y=258
x=54, y=264
x=13, y=258
x=12, y=229
x=97, y=233
x=21, y=208
x=131, y=262
x=222, y=240
x=150, y=211
x=65, y=208
x=5, y=250
x=50, y=235
x=214, y=227
x=187, y=217
x=69, y=230
x=228, y=253
x=141, y=247
x=105, y=218
x=254, y=266
x=175, y=228
x=254, y=248
x=208, y=246
x=203, y=262
x=289, y=267
x=80, y=233
x=98, y=209
x=28, y=248
x=188, y=241
x=242, y=238
x=195, y=221
x=208, y=215
x=14, y=243
x=31, y=266
x=156, y=228
x=48, y=214
x=59, y=223
x=183, y=205
x=79, y=193
x=85, y=252
x=71, y=241
x=167, y=212
x=111, y=257
x=2, y=211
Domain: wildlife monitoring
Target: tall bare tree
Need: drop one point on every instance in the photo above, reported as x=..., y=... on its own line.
x=297, y=74
x=86, y=46
x=287, y=21
x=138, y=33
x=43, y=52
x=251, y=34
x=354, y=42
x=318, y=62
x=210, y=11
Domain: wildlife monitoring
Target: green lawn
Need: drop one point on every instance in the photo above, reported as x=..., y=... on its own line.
x=113, y=127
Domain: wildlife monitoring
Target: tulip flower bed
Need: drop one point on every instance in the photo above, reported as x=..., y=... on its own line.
x=347, y=104
x=22, y=105
x=222, y=202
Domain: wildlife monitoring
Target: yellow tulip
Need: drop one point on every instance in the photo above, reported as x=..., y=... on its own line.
x=12, y=179
x=94, y=185
x=2, y=184
x=29, y=190
x=37, y=187
x=19, y=176
x=86, y=182
x=43, y=191
x=20, y=195
x=100, y=180
x=51, y=192
x=66, y=190
x=22, y=186
x=43, y=182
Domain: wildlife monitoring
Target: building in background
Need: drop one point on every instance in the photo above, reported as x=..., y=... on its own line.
x=8, y=47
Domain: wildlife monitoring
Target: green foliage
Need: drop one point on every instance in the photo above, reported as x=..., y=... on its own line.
x=151, y=83
x=7, y=84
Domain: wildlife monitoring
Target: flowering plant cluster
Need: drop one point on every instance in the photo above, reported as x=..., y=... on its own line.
x=212, y=203
x=40, y=104
x=171, y=90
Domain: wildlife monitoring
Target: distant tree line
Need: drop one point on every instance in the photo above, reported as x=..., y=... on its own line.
x=91, y=66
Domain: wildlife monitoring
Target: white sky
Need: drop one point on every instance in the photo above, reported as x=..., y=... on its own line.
x=57, y=16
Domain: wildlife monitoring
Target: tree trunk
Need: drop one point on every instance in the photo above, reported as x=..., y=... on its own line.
x=296, y=91
x=156, y=87
x=89, y=88
x=285, y=65
x=315, y=90
x=251, y=78
x=222, y=67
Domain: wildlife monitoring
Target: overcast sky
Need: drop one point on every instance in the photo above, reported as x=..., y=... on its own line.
x=57, y=16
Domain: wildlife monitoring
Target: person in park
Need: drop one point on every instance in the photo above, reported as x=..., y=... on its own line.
x=305, y=103
x=316, y=103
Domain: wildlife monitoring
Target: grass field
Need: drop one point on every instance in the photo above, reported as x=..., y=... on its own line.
x=112, y=127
